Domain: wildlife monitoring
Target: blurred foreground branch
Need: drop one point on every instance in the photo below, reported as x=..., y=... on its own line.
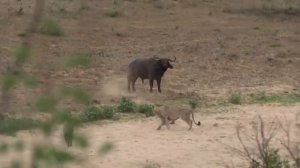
x=15, y=70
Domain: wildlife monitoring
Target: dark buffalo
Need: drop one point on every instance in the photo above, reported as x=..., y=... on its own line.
x=148, y=68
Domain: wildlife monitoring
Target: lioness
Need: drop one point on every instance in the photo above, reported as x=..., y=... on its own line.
x=167, y=113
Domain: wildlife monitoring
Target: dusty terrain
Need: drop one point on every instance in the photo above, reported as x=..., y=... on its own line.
x=138, y=143
x=220, y=47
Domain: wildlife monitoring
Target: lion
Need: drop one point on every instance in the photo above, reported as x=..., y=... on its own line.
x=167, y=114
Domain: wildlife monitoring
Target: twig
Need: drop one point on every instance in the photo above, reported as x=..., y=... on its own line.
x=242, y=143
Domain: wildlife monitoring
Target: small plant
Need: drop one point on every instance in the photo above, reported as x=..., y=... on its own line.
x=235, y=98
x=285, y=99
x=94, y=113
x=273, y=160
x=193, y=104
x=108, y=112
x=106, y=148
x=126, y=105
x=275, y=45
x=112, y=13
x=91, y=113
x=51, y=27
x=146, y=109
x=262, y=154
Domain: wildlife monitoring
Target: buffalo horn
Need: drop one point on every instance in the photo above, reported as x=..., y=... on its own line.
x=172, y=60
x=156, y=57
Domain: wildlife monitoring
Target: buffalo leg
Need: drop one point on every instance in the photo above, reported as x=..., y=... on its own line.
x=151, y=84
x=133, y=84
x=128, y=84
x=158, y=84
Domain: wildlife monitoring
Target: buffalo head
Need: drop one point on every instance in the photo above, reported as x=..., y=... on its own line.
x=165, y=62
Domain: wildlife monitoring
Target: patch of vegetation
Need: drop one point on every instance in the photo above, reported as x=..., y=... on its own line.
x=9, y=126
x=23, y=52
x=106, y=148
x=235, y=98
x=259, y=153
x=262, y=97
x=193, y=104
x=146, y=109
x=51, y=27
x=108, y=112
x=126, y=105
x=275, y=45
x=273, y=159
x=93, y=113
x=112, y=13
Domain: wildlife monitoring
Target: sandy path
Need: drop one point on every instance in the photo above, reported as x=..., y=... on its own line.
x=137, y=143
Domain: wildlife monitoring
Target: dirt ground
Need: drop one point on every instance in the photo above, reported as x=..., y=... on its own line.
x=138, y=143
x=220, y=47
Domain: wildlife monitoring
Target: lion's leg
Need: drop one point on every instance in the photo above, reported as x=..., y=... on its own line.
x=162, y=123
x=188, y=120
x=167, y=122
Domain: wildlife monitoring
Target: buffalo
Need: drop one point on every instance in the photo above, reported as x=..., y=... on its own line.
x=148, y=68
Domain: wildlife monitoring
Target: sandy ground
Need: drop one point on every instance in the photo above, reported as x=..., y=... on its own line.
x=221, y=46
x=138, y=143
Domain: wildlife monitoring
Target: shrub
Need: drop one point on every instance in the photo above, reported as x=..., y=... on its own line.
x=126, y=105
x=91, y=113
x=10, y=126
x=146, y=109
x=261, y=154
x=51, y=27
x=193, y=104
x=108, y=112
x=94, y=113
x=273, y=159
x=112, y=13
x=235, y=98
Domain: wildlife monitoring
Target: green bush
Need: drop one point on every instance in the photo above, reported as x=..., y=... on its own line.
x=112, y=13
x=108, y=112
x=126, y=105
x=193, y=104
x=93, y=113
x=235, y=98
x=146, y=109
x=10, y=126
x=51, y=27
x=272, y=160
